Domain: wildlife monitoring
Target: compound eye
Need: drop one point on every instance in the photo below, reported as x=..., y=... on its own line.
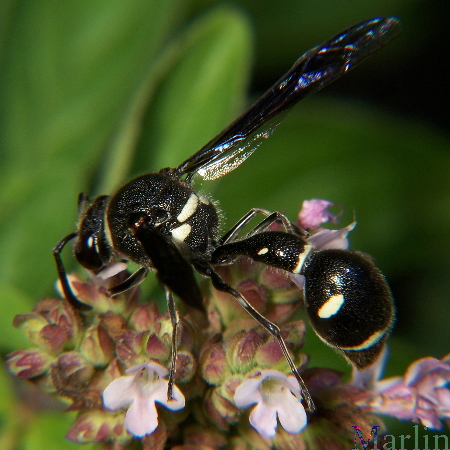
x=87, y=253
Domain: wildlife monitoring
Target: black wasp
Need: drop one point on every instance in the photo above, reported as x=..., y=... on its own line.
x=160, y=222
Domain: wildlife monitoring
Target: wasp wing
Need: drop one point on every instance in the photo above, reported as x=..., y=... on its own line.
x=312, y=71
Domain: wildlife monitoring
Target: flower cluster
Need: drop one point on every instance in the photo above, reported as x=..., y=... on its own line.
x=422, y=395
x=233, y=387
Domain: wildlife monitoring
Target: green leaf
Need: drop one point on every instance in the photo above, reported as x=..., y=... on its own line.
x=6, y=392
x=202, y=93
x=15, y=302
x=48, y=430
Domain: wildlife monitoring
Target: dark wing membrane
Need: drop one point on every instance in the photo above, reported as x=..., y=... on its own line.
x=173, y=271
x=312, y=71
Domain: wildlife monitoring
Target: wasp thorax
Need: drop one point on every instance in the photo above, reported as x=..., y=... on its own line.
x=169, y=205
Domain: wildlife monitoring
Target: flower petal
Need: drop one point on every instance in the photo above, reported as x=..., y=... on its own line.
x=136, y=369
x=160, y=370
x=315, y=212
x=292, y=414
x=298, y=280
x=326, y=238
x=141, y=417
x=120, y=392
x=264, y=419
x=429, y=369
x=160, y=395
x=247, y=393
x=293, y=385
x=443, y=396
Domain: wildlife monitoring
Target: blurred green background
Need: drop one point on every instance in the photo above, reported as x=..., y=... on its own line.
x=93, y=92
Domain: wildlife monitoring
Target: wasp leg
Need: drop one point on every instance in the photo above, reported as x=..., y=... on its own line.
x=271, y=217
x=67, y=291
x=276, y=216
x=132, y=281
x=237, y=228
x=269, y=326
x=174, y=318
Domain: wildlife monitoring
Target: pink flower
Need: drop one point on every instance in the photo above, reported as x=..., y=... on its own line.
x=275, y=394
x=429, y=379
x=421, y=395
x=142, y=387
x=314, y=213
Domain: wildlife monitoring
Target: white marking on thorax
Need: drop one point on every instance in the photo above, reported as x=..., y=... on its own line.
x=204, y=200
x=108, y=233
x=189, y=208
x=182, y=232
x=263, y=251
x=331, y=306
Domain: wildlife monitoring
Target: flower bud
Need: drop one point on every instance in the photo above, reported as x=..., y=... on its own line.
x=114, y=324
x=185, y=366
x=130, y=348
x=29, y=363
x=71, y=370
x=219, y=410
x=71, y=375
x=254, y=293
x=93, y=293
x=269, y=354
x=293, y=333
x=188, y=336
x=98, y=426
x=284, y=296
x=97, y=346
x=157, y=349
x=197, y=436
x=51, y=326
x=144, y=317
x=241, y=350
x=213, y=361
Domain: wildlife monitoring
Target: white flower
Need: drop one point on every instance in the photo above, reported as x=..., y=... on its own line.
x=142, y=387
x=275, y=394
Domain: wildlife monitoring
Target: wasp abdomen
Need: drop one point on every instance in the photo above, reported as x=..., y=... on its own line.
x=349, y=303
